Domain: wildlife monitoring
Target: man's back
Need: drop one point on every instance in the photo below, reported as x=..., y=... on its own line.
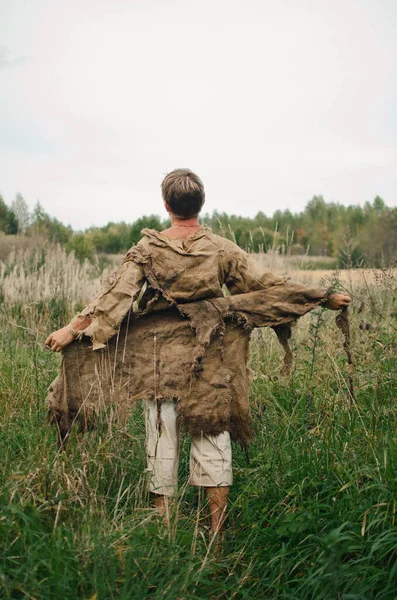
x=197, y=266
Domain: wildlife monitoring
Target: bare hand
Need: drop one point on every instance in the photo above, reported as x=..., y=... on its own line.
x=337, y=301
x=58, y=340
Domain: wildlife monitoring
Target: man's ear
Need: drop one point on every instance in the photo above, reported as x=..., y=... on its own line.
x=167, y=207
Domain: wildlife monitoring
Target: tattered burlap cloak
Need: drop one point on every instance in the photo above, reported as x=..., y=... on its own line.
x=184, y=342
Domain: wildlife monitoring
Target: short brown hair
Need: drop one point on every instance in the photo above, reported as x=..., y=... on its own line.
x=183, y=191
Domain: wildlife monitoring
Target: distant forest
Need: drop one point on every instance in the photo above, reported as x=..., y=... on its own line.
x=354, y=235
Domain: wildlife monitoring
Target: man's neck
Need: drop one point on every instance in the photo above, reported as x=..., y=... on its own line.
x=194, y=222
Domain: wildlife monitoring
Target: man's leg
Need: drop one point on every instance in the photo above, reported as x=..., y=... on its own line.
x=217, y=501
x=211, y=467
x=162, y=454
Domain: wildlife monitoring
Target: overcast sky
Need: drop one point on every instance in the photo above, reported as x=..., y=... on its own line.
x=270, y=102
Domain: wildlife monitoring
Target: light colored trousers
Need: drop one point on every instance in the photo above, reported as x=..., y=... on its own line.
x=210, y=455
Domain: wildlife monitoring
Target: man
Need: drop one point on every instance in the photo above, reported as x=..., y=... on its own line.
x=199, y=377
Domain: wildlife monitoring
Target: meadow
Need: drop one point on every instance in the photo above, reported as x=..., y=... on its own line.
x=312, y=516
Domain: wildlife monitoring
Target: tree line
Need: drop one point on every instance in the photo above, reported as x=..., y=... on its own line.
x=356, y=235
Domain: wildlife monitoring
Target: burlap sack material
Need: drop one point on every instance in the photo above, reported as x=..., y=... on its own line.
x=195, y=354
x=192, y=352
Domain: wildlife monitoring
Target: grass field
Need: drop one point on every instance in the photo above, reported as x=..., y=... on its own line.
x=313, y=516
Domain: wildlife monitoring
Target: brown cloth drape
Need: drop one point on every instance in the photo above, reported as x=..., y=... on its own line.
x=193, y=353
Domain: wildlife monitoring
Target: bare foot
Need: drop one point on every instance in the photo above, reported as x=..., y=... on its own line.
x=217, y=540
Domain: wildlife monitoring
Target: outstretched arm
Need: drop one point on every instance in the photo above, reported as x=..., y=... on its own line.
x=244, y=274
x=102, y=318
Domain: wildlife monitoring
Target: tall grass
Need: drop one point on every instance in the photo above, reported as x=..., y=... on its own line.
x=313, y=516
